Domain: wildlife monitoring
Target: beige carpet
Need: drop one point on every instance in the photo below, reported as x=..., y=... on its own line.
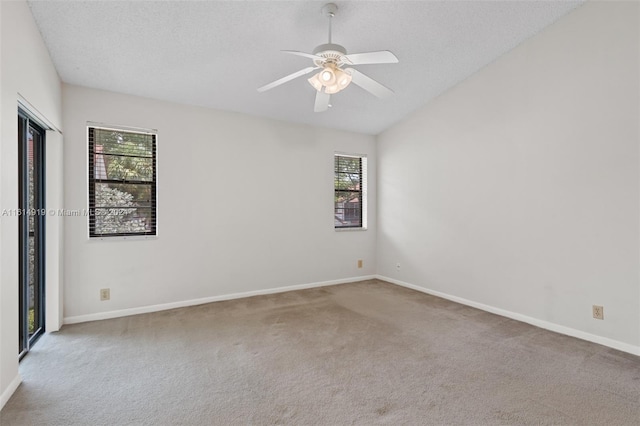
x=360, y=353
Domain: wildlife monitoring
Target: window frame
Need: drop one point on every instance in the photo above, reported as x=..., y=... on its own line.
x=92, y=180
x=362, y=192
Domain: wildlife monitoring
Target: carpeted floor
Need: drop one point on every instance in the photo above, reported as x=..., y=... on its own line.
x=360, y=353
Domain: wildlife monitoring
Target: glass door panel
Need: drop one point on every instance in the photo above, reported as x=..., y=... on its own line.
x=31, y=231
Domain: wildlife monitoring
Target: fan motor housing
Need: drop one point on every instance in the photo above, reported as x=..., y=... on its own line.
x=329, y=51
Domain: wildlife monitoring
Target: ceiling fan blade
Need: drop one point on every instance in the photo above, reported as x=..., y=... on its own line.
x=369, y=84
x=322, y=102
x=306, y=55
x=287, y=78
x=379, y=57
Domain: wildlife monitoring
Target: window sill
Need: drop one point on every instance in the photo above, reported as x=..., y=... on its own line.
x=123, y=238
x=349, y=229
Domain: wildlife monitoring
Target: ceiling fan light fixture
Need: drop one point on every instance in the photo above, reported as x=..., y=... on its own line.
x=331, y=79
x=328, y=76
x=332, y=90
x=315, y=82
x=343, y=78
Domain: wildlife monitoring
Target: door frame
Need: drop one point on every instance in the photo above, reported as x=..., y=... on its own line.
x=55, y=203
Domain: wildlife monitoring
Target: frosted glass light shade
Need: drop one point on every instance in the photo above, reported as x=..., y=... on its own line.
x=315, y=82
x=327, y=76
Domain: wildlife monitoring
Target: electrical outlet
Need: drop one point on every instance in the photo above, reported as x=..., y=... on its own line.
x=598, y=312
x=105, y=294
x=397, y=266
x=359, y=263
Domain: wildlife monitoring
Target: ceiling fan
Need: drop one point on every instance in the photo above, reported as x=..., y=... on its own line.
x=335, y=69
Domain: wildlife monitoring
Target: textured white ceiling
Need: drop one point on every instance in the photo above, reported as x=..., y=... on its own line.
x=217, y=53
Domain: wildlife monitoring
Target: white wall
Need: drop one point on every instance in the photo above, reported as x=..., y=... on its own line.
x=54, y=232
x=26, y=72
x=245, y=204
x=5, y=390
x=518, y=189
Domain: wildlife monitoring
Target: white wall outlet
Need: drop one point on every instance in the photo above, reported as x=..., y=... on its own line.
x=397, y=266
x=105, y=294
x=598, y=312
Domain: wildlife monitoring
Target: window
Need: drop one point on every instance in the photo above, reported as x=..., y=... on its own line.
x=122, y=183
x=350, y=184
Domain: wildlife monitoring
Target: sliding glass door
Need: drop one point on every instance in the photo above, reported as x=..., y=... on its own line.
x=31, y=218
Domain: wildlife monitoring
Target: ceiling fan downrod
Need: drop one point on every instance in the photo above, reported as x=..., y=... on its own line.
x=329, y=10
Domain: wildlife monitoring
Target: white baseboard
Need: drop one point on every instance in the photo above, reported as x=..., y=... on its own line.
x=615, y=344
x=173, y=305
x=4, y=397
